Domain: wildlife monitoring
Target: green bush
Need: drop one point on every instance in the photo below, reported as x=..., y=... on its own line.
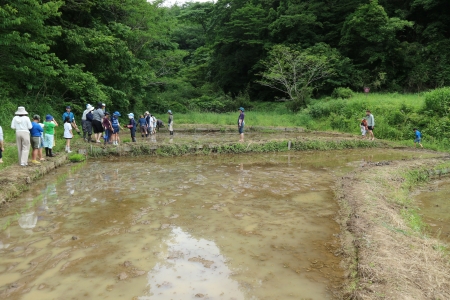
x=343, y=93
x=437, y=102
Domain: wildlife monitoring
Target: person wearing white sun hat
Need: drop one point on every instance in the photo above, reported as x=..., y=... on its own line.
x=21, y=123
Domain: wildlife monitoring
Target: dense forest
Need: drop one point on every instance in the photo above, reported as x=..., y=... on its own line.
x=136, y=55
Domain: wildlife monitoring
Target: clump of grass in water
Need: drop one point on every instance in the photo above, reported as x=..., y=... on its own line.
x=75, y=157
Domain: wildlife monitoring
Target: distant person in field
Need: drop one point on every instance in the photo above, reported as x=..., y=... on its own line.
x=115, y=128
x=98, y=115
x=418, y=139
x=132, y=126
x=49, y=135
x=142, y=125
x=370, y=124
x=2, y=147
x=241, y=124
x=170, y=122
x=86, y=123
x=36, y=139
x=68, y=135
x=363, y=126
x=21, y=124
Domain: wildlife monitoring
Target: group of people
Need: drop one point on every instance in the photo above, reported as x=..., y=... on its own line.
x=36, y=135
x=368, y=125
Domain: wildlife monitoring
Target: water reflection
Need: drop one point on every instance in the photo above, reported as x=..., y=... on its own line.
x=191, y=268
x=28, y=220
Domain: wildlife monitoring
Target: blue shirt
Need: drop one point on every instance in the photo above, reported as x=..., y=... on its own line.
x=142, y=122
x=70, y=115
x=36, y=129
x=241, y=117
x=418, y=134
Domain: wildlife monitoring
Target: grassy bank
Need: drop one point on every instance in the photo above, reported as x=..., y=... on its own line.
x=395, y=114
x=386, y=249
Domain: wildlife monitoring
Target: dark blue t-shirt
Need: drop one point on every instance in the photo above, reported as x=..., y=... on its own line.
x=142, y=122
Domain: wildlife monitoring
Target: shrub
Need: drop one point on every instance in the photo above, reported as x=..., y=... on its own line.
x=343, y=93
x=438, y=101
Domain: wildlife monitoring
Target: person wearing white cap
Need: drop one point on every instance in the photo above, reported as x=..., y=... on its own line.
x=132, y=126
x=86, y=122
x=21, y=124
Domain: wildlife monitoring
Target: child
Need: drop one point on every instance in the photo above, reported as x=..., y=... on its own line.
x=107, y=126
x=148, y=121
x=40, y=156
x=132, y=126
x=363, y=126
x=49, y=135
x=68, y=133
x=418, y=138
x=154, y=123
x=143, y=125
x=36, y=137
x=170, y=123
x=1, y=145
x=115, y=127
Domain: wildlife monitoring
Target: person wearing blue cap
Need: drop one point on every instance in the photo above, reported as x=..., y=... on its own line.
x=115, y=128
x=49, y=134
x=132, y=126
x=170, y=123
x=69, y=114
x=241, y=124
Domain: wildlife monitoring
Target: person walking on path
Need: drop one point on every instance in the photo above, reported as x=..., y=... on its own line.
x=49, y=135
x=69, y=114
x=418, y=139
x=170, y=123
x=97, y=116
x=36, y=139
x=2, y=147
x=86, y=123
x=132, y=126
x=68, y=135
x=241, y=124
x=21, y=124
x=370, y=124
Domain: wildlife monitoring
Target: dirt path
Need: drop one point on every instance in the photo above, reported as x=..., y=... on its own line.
x=386, y=259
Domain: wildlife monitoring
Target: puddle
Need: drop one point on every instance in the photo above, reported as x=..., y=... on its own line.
x=210, y=227
x=435, y=208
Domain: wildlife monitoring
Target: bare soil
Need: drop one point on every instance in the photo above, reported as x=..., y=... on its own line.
x=385, y=259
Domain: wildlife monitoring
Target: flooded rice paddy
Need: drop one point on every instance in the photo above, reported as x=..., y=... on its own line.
x=210, y=227
x=434, y=206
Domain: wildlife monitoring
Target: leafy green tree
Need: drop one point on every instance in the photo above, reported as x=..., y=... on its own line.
x=295, y=73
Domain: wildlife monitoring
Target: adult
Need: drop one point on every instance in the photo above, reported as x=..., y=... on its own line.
x=149, y=123
x=241, y=124
x=97, y=116
x=21, y=124
x=2, y=148
x=36, y=138
x=370, y=124
x=170, y=122
x=71, y=117
x=86, y=123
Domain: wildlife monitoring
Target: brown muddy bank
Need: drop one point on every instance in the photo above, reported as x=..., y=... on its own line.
x=387, y=255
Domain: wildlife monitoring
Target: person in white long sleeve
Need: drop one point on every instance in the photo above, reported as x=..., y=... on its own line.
x=21, y=124
x=1, y=145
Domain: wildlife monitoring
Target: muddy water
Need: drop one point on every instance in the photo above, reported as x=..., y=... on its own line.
x=435, y=208
x=216, y=227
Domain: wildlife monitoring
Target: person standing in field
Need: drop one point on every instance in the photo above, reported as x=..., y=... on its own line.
x=97, y=116
x=21, y=124
x=170, y=123
x=49, y=135
x=241, y=124
x=69, y=114
x=68, y=135
x=2, y=148
x=143, y=126
x=418, y=139
x=36, y=139
x=86, y=123
x=115, y=128
x=132, y=126
x=363, y=126
x=107, y=126
x=370, y=124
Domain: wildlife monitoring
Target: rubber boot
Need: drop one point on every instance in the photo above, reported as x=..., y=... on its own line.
x=46, y=151
x=89, y=138
x=134, y=139
x=50, y=153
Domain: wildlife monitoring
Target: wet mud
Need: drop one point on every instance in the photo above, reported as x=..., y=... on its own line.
x=212, y=227
x=434, y=205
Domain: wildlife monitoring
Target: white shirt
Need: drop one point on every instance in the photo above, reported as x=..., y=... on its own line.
x=21, y=123
x=67, y=129
x=1, y=134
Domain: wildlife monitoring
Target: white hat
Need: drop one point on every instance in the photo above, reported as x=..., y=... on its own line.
x=103, y=104
x=90, y=107
x=21, y=111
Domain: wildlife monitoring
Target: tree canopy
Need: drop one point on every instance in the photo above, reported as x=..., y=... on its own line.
x=136, y=55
